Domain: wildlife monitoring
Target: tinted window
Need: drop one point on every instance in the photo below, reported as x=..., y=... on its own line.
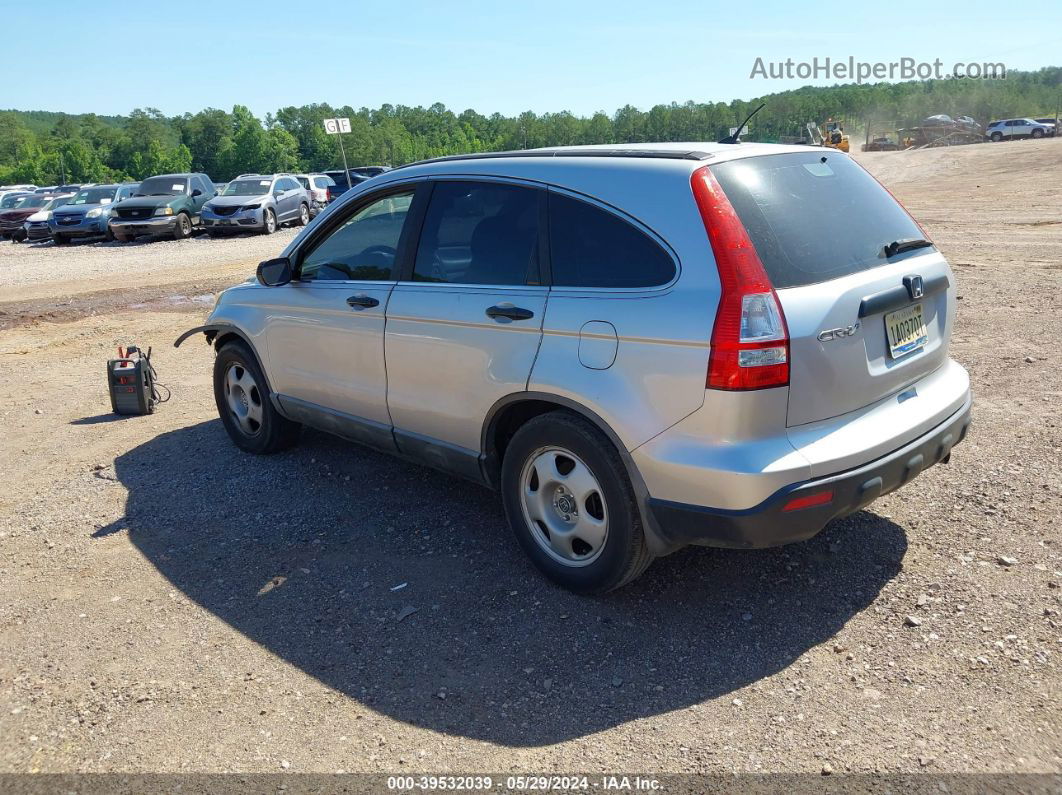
x=813, y=217
x=323, y=182
x=590, y=247
x=304, y=181
x=287, y=183
x=364, y=247
x=479, y=233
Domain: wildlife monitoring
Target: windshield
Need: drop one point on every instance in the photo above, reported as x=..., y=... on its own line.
x=247, y=187
x=94, y=196
x=813, y=217
x=58, y=201
x=162, y=186
x=10, y=201
x=26, y=202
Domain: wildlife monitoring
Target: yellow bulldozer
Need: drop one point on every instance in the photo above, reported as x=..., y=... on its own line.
x=830, y=134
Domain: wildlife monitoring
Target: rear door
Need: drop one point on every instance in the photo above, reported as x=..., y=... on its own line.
x=864, y=322
x=463, y=327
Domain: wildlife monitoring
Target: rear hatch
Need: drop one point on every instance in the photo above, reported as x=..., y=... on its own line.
x=866, y=317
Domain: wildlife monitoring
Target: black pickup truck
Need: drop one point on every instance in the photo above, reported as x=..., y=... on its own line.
x=345, y=180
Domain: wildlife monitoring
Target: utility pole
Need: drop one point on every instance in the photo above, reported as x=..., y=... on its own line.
x=62, y=168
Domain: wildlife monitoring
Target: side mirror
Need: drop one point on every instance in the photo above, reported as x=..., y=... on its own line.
x=197, y=192
x=274, y=272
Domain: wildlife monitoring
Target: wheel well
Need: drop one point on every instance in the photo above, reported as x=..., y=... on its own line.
x=504, y=425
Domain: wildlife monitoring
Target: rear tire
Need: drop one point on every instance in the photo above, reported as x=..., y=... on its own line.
x=304, y=215
x=571, y=506
x=246, y=411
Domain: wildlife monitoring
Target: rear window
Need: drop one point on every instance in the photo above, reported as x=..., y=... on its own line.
x=813, y=217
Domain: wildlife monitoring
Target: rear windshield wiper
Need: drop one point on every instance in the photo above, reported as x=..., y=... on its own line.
x=907, y=244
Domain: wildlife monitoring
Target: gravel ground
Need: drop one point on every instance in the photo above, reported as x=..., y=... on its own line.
x=170, y=604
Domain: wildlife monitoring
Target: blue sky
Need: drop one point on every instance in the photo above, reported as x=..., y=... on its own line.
x=490, y=56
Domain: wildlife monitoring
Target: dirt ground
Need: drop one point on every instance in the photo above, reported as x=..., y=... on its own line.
x=170, y=604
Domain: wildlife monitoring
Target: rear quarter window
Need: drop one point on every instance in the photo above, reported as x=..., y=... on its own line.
x=813, y=217
x=592, y=247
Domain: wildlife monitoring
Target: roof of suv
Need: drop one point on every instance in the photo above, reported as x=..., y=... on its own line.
x=696, y=151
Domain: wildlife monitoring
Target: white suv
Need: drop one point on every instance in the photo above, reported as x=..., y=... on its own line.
x=641, y=347
x=1016, y=128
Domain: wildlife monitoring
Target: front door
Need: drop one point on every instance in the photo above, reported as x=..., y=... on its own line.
x=324, y=336
x=463, y=327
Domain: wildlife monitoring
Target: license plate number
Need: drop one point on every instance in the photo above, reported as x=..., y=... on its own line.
x=906, y=330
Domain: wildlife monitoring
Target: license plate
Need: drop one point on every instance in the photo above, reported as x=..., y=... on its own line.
x=906, y=330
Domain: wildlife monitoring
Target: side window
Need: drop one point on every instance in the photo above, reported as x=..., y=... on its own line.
x=199, y=182
x=590, y=247
x=304, y=181
x=364, y=247
x=479, y=233
x=289, y=184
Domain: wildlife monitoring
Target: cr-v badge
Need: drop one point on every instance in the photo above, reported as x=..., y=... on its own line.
x=837, y=333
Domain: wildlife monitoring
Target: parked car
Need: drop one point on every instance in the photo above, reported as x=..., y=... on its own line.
x=27, y=219
x=1050, y=124
x=741, y=343
x=317, y=185
x=10, y=198
x=166, y=205
x=258, y=203
x=345, y=180
x=22, y=207
x=36, y=228
x=968, y=123
x=1009, y=129
x=88, y=213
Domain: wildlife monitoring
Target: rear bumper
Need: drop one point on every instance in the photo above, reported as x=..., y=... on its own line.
x=768, y=524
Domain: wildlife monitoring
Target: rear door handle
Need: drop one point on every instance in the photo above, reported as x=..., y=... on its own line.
x=509, y=312
x=362, y=301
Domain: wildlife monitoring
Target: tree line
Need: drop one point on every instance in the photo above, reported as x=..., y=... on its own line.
x=45, y=148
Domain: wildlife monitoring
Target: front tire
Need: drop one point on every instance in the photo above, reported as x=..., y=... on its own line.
x=182, y=227
x=1037, y=133
x=571, y=506
x=59, y=240
x=246, y=411
x=997, y=137
x=269, y=223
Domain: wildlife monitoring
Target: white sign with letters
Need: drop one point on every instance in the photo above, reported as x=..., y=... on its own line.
x=336, y=126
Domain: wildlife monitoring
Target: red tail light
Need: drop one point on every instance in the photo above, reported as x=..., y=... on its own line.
x=328, y=194
x=750, y=340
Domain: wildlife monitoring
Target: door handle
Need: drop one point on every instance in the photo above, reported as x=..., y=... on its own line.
x=362, y=301
x=509, y=312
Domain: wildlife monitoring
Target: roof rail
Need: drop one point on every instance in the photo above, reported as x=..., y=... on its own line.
x=650, y=154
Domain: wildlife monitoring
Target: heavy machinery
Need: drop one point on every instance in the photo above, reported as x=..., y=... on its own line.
x=831, y=134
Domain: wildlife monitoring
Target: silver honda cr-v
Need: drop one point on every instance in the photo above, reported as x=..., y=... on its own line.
x=641, y=347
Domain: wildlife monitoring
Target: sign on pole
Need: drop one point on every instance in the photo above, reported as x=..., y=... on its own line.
x=336, y=126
